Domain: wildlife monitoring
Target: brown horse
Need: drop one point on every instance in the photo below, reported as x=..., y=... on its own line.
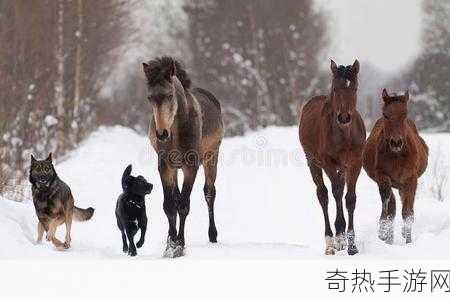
x=332, y=134
x=395, y=156
x=186, y=131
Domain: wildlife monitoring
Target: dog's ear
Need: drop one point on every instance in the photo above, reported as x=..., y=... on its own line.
x=126, y=177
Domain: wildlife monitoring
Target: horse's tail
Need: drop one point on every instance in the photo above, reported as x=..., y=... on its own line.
x=208, y=95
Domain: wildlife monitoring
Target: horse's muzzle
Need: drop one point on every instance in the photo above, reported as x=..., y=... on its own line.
x=396, y=144
x=344, y=119
x=162, y=135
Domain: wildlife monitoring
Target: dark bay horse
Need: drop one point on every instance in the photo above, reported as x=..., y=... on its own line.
x=395, y=156
x=332, y=134
x=186, y=131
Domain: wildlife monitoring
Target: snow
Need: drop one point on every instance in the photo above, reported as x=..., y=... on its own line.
x=266, y=206
x=50, y=120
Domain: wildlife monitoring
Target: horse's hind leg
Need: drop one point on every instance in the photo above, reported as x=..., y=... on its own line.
x=322, y=195
x=350, y=202
x=386, y=225
x=338, y=183
x=407, y=194
x=210, y=167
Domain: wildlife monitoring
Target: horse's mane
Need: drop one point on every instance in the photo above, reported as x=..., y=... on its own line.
x=159, y=70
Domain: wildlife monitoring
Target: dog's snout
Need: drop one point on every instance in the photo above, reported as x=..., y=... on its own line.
x=162, y=135
x=344, y=118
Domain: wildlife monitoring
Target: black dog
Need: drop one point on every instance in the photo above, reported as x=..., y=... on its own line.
x=130, y=210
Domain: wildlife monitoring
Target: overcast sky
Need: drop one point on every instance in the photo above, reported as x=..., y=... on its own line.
x=384, y=32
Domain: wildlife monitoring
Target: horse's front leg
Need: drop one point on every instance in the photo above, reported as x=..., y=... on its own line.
x=184, y=203
x=352, y=175
x=388, y=210
x=337, y=185
x=169, y=183
x=407, y=195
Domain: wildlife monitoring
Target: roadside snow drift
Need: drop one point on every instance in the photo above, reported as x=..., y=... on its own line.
x=265, y=208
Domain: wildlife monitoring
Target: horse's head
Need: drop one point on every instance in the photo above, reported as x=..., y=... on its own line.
x=161, y=80
x=343, y=92
x=395, y=112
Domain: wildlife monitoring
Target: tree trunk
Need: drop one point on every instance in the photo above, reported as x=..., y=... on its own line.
x=77, y=92
x=59, y=83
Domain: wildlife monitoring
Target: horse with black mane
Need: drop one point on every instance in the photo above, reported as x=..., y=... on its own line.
x=186, y=131
x=332, y=135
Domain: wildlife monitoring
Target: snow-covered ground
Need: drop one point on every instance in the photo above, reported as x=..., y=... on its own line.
x=266, y=206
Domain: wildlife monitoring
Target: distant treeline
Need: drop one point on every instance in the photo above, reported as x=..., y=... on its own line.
x=261, y=58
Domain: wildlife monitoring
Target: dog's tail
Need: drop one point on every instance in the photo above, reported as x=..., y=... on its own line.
x=80, y=214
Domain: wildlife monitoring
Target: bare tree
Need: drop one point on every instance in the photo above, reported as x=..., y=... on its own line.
x=55, y=57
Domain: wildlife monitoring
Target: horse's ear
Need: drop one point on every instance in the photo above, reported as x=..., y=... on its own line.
x=385, y=95
x=355, y=67
x=125, y=177
x=49, y=158
x=406, y=96
x=171, y=71
x=333, y=67
x=146, y=68
x=33, y=160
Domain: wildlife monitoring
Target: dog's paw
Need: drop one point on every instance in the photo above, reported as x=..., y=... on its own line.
x=140, y=243
x=132, y=252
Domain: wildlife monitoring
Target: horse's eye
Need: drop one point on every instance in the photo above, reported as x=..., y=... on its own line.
x=385, y=116
x=170, y=97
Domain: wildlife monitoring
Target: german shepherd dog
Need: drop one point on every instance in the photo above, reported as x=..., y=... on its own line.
x=130, y=210
x=53, y=202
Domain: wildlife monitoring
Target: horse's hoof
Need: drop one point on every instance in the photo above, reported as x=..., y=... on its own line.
x=125, y=249
x=340, y=242
x=139, y=244
x=173, y=249
x=174, y=252
x=386, y=232
x=382, y=236
x=330, y=251
x=352, y=250
x=329, y=245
